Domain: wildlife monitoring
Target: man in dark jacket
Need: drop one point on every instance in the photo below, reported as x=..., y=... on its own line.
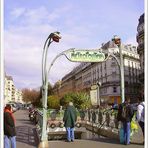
x=125, y=115
x=9, y=128
x=70, y=117
x=140, y=114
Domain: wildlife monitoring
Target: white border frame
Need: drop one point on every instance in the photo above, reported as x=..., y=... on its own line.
x=2, y=72
x=145, y=72
x=1, y=77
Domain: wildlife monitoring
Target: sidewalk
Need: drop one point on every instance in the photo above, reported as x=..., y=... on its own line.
x=26, y=134
x=100, y=143
x=27, y=137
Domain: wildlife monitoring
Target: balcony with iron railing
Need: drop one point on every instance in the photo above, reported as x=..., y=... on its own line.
x=141, y=77
x=140, y=32
x=140, y=48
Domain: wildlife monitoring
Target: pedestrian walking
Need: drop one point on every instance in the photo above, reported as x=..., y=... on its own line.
x=125, y=115
x=140, y=114
x=9, y=128
x=70, y=117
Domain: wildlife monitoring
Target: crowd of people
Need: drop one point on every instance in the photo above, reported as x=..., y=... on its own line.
x=125, y=116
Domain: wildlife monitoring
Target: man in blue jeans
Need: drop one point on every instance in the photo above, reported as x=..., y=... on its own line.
x=125, y=115
x=70, y=117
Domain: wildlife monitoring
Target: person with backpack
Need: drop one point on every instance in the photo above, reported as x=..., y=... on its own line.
x=140, y=114
x=125, y=115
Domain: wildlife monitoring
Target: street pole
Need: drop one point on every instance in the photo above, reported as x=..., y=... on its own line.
x=117, y=41
x=98, y=93
x=122, y=74
x=44, y=136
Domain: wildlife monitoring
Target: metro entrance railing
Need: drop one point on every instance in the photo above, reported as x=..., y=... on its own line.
x=94, y=120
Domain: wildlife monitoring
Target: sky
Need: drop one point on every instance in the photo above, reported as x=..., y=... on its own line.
x=83, y=24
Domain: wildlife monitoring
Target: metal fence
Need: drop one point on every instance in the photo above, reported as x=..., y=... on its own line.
x=96, y=117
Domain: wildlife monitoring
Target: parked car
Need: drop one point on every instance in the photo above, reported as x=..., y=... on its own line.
x=19, y=105
x=13, y=106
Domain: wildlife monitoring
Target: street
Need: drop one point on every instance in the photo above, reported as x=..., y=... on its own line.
x=27, y=138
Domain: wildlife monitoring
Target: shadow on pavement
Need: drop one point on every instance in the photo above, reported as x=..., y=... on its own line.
x=26, y=134
x=26, y=121
x=113, y=141
x=137, y=143
x=105, y=140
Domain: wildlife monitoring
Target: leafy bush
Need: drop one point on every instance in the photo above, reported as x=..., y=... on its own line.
x=53, y=102
x=81, y=100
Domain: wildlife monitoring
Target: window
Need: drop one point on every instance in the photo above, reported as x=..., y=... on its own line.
x=104, y=90
x=114, y=75
x=128, y=63
x=114, y=89
x=113, y=63
x=105, y=66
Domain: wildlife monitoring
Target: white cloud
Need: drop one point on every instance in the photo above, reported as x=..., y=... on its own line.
x=28, y=29
x=23, y=54
x=39, y=15
x=17, y=12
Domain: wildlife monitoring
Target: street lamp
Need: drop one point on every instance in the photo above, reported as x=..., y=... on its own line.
x=55, y=36
x=117, y=41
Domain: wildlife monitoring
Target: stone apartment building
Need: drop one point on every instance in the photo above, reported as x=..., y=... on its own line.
x=107, y=74
x=12, y=94
x=9, y=89
x=140, y=49
x=18, y=96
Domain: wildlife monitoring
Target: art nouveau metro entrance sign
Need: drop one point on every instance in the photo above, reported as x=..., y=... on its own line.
x=91, y=55
x=85, y=55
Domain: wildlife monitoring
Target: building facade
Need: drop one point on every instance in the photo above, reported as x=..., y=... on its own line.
x=9, y=89
x=18, y=96
x=12, y=94
x=140, y=48
x=107, y=74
